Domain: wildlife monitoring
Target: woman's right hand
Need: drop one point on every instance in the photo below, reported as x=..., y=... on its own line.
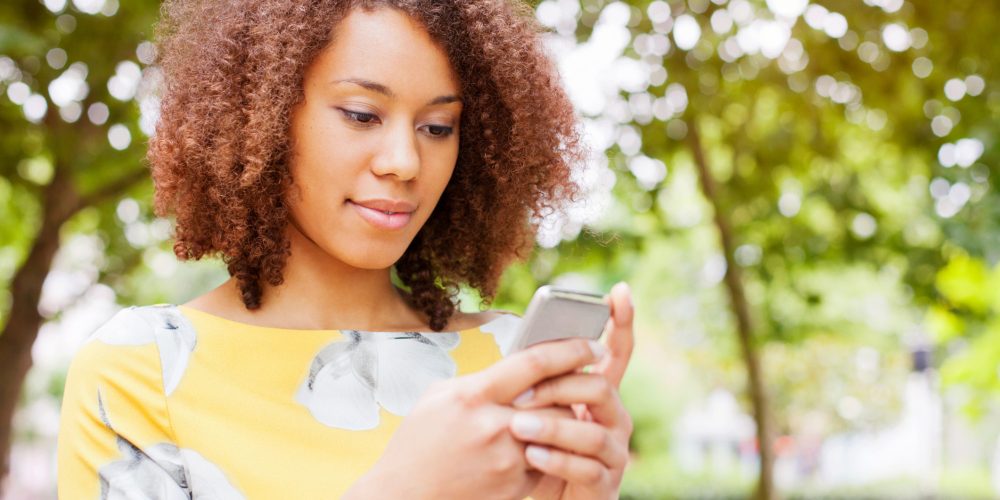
x=456, y=442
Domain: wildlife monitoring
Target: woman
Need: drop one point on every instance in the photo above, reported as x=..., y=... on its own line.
x=317, y=147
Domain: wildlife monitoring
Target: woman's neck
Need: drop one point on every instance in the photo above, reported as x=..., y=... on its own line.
x=319, y=292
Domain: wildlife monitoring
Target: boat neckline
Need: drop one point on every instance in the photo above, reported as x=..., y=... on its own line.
x=184, y=309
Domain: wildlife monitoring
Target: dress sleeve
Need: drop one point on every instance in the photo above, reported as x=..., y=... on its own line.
x=115, y=439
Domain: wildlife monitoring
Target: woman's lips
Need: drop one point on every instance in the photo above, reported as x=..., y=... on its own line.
x=381, y=219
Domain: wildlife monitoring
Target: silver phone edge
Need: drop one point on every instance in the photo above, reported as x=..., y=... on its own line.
x=543, y=294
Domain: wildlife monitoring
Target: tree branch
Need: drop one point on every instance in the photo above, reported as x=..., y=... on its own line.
x=741, y=310
x=112, y=189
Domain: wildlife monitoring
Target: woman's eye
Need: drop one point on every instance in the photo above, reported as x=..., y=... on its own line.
x=358, y=116
x=439, y=130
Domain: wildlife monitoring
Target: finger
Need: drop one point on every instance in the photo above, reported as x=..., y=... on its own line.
x=555, y=412
x=548, y=487
x=593, y=390
x=620, y=336
x=576, y=469
x=586, y=369
x=511, y=376
x=585, y=438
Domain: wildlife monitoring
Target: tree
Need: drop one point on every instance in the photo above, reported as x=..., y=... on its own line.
x=70, y=144
x=821, y=135
x=828, y=162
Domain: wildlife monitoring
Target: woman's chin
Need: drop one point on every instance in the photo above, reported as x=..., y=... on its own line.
x=381, y=258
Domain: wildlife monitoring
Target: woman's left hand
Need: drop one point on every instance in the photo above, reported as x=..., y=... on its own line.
x=584, y=458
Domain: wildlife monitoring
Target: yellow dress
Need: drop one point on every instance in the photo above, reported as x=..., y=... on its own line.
x=166, y=401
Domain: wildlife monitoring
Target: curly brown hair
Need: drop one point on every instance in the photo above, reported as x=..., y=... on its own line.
x=233, y=71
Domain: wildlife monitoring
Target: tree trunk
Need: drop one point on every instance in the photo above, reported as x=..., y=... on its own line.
x=741, y=310
x=18, y=335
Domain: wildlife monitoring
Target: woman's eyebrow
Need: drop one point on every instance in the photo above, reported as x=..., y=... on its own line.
x=382, y=89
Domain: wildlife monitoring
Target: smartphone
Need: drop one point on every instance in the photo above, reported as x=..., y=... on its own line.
x=556, y=313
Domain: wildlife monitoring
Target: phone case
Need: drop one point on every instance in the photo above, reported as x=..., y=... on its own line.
x=556, y=313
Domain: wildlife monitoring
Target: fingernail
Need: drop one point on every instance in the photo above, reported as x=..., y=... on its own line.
x=598, y=349
x=626, y=290
x=537, y=454
x=526, y=424
x=524, y=398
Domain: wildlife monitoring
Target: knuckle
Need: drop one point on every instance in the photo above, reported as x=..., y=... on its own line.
x=504, y=464
x=467, y=395
x=583, y=350
x=535, y=360
x=628, y=424
x=618, y=455
x=606, y=391
x=549, y=428
x=487, y=427
x=557, y=461
x=592, y=474
x=543, y=392
x=598, y=441
x=623, y=457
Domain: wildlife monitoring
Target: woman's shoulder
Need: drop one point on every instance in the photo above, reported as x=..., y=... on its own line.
x=137, y=325
x=137, y=342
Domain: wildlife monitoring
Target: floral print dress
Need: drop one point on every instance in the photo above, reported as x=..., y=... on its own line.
x=166, y=401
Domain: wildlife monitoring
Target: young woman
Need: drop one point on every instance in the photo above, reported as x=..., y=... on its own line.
x=316, y=147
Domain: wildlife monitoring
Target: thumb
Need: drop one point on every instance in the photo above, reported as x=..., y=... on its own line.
x=620, y=338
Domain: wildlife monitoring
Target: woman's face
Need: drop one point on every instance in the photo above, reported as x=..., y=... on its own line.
x=375, y=140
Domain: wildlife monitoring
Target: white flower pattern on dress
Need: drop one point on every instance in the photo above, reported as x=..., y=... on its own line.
x=161, y=471
x=504, y=331
x=350, y=379
x=175, y=338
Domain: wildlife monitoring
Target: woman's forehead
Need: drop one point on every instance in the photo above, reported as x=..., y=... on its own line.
x=386, y=47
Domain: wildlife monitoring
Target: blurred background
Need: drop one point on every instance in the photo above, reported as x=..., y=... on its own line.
x=800, y=193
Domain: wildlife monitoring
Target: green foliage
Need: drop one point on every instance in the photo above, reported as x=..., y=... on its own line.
x=41, y=46
x=968, y=322
x=834, y=179
x=835, y=174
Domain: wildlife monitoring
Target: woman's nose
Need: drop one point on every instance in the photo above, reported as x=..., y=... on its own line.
x=398, y=154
